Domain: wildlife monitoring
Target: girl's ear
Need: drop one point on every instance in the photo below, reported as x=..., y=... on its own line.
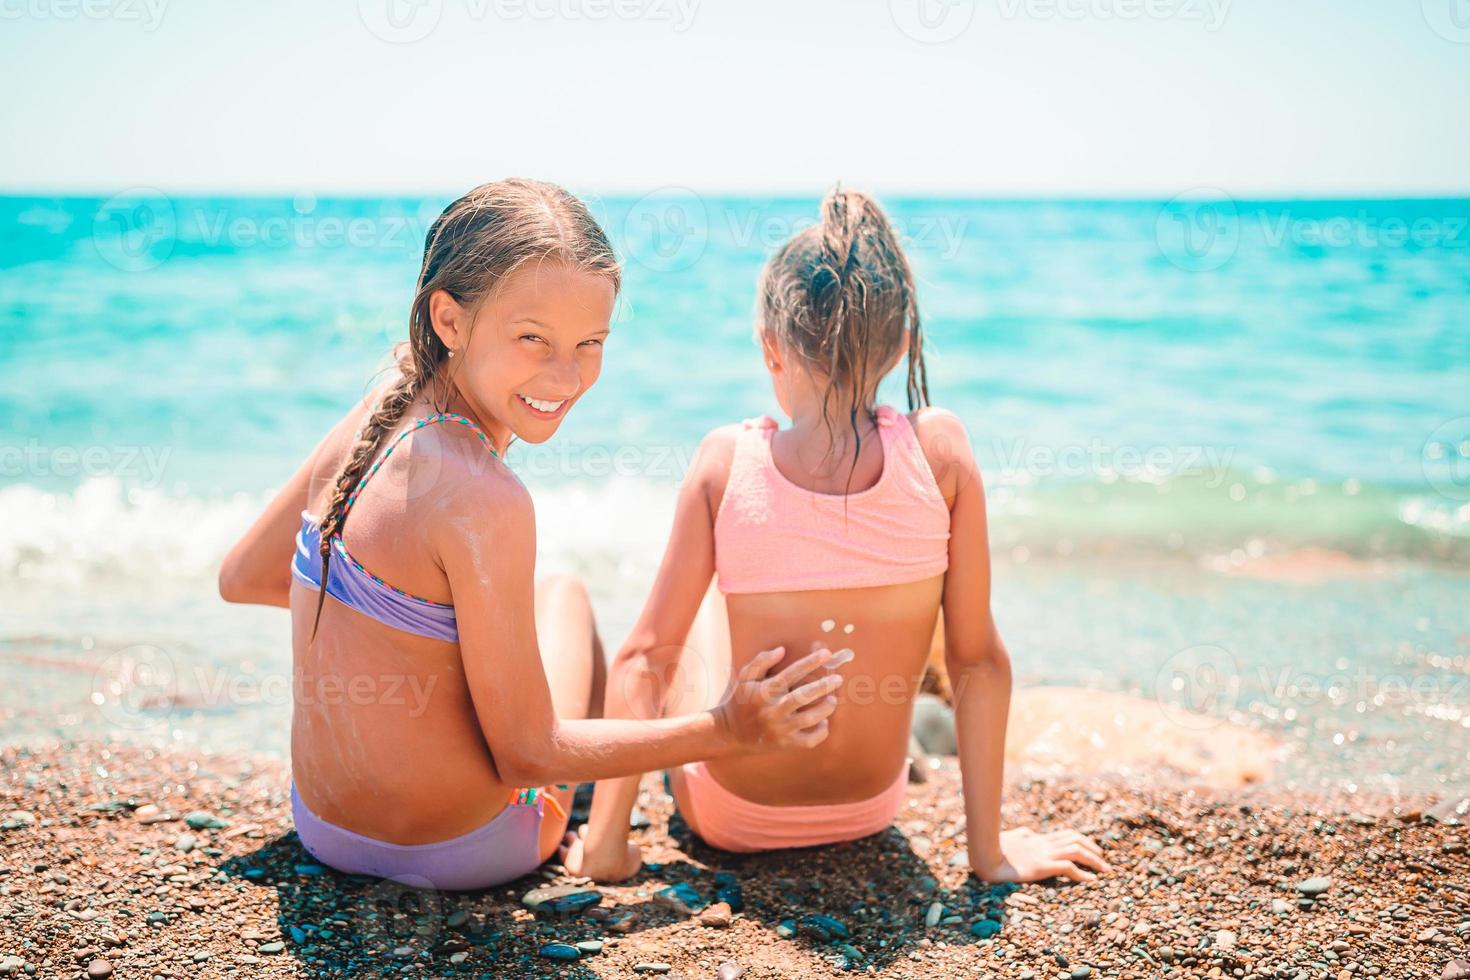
x=449, y=319
x=770, y=352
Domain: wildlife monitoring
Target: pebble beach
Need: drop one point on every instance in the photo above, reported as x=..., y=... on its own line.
x=132, y=862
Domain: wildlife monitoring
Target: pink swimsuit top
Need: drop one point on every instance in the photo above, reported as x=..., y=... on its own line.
x=773, y=536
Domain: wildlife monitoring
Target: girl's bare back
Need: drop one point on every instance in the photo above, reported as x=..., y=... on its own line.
x=887, y=628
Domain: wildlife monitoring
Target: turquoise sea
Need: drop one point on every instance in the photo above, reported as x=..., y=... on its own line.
x=1226, y=442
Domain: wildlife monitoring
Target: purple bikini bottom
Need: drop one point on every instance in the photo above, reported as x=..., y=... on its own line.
x=498, y=851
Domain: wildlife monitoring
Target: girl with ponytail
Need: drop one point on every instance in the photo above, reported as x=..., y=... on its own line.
x=444, y=698
x=857, y=525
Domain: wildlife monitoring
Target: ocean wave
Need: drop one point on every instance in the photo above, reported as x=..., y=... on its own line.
x=614, y=530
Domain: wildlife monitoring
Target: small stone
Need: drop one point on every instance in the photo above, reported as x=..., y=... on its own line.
x=202, y=957
x=403, y=952
x=145, y=811
x=935, y=913
x=717, y=916
x=1225, y=940
x=204, y=820
x=638, y=820
x=15, y=819
x=99, y=970
x=822, y=927
x=682, y=898
x=1456, y=970
x=457, y=919
x=1280, y=906
x=621, y=920
x=786, y=928
x=1313, y=887
x=729, y=892
x=460, y=957
x=590, y=946
x=651, y=968
x=561, y=899
x=310, y=870
x=985, y=929
x=729, y=970
x=1082, y=973
x=185, y=843
x=933, y=725
x=559, y=951
x=271, y=949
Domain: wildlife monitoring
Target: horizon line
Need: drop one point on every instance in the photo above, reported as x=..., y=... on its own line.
x=1019, y=196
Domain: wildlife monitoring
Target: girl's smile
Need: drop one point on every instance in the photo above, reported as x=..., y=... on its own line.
x=542, y=408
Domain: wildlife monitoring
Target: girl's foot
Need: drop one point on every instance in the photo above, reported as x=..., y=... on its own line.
x=618, y=862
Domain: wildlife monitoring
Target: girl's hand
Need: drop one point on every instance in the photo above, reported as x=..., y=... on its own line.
x=618, y=861
x=781, y=712
x=1026, y=855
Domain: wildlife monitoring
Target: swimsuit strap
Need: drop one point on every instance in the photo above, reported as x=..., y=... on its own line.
x=430, y=420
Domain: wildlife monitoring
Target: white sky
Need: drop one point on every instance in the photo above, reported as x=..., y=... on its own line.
x=1030, y=97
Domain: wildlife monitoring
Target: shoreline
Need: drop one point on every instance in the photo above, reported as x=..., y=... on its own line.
x=99, y=863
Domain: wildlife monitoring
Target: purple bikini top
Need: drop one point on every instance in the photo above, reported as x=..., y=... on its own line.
x=357, y=588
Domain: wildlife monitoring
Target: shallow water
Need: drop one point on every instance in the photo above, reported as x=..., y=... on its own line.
x=1227, y=453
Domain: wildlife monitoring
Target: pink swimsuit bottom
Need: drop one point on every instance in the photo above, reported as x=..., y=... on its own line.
x=733, y=823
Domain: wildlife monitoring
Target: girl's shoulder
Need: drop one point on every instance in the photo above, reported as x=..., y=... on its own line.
x=717, y=450
x=945, y=444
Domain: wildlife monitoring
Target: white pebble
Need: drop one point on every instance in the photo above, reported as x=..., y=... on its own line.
x=848, y=628
x=828, y=624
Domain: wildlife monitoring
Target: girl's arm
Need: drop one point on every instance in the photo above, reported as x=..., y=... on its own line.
x=980, y=676
x=258, y=567
x=484, y=534
x=639, y=675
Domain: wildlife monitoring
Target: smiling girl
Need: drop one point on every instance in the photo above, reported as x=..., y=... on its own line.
x=405, y=550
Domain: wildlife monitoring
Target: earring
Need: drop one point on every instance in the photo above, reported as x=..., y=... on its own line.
x=451, y=353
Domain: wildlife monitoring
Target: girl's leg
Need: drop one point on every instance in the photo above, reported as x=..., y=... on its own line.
x=700, y=680
x=571, y=653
